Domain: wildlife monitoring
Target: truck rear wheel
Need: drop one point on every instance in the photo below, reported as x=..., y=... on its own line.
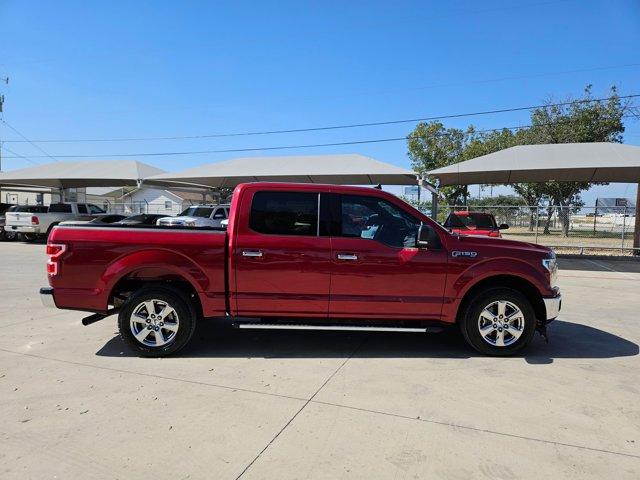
x=157, y=321
x=30, y=237
x=498, y=322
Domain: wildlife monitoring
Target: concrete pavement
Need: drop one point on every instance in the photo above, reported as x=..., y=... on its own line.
x=74, y=403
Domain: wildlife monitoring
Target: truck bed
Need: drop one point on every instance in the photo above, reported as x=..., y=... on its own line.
x=98, y=257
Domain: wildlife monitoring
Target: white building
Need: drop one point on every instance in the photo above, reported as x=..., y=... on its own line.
x=152, y=200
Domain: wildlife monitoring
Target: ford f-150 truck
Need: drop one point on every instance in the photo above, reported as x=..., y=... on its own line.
x=304, y=256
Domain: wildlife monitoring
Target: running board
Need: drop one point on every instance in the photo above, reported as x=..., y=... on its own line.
x=348, y=328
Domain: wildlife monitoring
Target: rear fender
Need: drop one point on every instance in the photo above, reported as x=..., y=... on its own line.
x=154, y=264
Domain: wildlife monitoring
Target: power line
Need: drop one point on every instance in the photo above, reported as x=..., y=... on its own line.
x=27, y=140
x=505, y=78
x=330, y=127
x=283, y=147
x=17, y=155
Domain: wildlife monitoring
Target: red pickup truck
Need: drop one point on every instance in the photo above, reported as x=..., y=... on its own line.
x=304, y=256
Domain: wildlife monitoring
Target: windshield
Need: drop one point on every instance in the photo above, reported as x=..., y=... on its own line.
x=202, y=212
x=4, y=207
x=471, y=221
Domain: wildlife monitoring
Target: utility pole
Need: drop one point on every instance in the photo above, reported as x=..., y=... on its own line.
x=6, y=82
x=1, y=114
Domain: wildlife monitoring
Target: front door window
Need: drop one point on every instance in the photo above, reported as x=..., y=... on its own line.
x=376, y=219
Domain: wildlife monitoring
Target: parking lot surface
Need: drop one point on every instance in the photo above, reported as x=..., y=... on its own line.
x=74, y=403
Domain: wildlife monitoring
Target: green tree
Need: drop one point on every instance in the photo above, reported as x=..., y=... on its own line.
x=498, y=201
x=583, y=120
x=431, y=146
x=532, y=194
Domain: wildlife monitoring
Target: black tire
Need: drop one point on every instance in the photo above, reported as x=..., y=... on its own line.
x=30, y=237
x=175, y=299
x=489, y=343
x=10, y=236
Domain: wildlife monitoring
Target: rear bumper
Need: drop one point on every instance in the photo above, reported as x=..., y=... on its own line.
x=46, y=297
x=553, y=306
x=25, y=229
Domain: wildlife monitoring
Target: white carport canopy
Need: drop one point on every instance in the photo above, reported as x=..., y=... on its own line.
x=60, y=175
x=349, y=169
x=564, y=162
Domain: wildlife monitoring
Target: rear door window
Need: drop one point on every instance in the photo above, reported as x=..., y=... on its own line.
x=60, y=208
x=285, y=213
x=82, y=208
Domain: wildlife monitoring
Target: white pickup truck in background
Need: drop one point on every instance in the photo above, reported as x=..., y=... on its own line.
x=198, y=216
x=34, y=225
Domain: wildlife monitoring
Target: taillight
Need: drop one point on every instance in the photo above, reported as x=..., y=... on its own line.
x=54, y=250
x=35, y=220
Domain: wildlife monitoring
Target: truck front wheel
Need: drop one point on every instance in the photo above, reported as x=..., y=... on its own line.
x=498, y=322
x=157, y=321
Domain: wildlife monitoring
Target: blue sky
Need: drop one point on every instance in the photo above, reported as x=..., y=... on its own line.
x=121, y=69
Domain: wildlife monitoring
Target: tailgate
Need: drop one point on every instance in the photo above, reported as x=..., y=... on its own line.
x=19, y=219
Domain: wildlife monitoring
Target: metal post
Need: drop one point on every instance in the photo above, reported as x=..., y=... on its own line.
x=624, y=225
x=434, y=206
x=636, y=231
x=0, y=163
x=537, y=222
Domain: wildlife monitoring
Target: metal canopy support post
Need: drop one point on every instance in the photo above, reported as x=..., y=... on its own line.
x=434, y=206
x=636, y=230
x=434, y=196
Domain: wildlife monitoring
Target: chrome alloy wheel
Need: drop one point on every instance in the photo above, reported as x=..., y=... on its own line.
x=501, y=323
x=154, y=323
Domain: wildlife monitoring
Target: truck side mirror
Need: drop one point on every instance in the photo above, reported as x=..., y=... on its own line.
x=503, y=226
x=425, y=236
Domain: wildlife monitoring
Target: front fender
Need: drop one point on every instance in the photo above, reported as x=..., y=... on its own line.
x=500, y=266
x=468, y=276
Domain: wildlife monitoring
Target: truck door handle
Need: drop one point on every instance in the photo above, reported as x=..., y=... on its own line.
x=347, y=256
x=251, y=253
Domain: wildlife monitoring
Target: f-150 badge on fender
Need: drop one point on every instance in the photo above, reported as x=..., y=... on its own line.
x=458, y=253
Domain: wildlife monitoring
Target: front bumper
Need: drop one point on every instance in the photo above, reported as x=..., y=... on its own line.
x=46, y=297
x=553, y=306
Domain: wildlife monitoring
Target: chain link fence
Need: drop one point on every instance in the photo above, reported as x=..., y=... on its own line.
x=583, y=230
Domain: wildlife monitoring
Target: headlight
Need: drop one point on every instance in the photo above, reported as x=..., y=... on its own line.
x=192, y=223
x=551, y=265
